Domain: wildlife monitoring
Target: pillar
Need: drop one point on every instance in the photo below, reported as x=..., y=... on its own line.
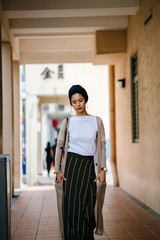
x=17, y=133
x=39, y=143
x=7, y=93
x=31, y=139
x=112, y=125
x=1, y=98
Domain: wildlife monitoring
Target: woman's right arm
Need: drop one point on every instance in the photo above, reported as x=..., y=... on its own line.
x=60, y=145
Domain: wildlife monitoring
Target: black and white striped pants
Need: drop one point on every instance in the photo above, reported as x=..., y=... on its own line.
x=79, y=196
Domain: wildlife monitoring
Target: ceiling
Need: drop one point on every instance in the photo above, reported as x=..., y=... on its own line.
x=54, y=31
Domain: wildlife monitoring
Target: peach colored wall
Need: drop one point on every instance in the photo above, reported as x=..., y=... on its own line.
x=139, y=163
x=110, y=41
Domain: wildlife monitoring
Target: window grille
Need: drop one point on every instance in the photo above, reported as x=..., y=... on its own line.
x=135, y=113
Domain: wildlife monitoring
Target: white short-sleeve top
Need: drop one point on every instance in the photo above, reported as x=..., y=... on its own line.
x=82, y=135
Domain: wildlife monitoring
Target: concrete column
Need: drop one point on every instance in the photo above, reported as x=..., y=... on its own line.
x=7, y=92
x=1, y=98
x=17, y=133
x=31, y=139
x=112, y=125
x=39, y=143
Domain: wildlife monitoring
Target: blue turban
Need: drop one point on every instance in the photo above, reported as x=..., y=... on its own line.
x=77, y=89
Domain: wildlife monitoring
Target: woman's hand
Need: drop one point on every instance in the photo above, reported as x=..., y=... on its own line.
x=59, y=177
x=101, y=177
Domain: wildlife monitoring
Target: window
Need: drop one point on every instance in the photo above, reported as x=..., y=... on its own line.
x=135, y=115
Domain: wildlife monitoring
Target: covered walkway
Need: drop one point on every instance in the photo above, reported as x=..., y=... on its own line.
x=34, y=216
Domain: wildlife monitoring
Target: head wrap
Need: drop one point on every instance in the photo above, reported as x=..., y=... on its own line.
x=77, y=89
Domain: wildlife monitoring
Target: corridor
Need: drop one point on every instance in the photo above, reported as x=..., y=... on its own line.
x=34, y=216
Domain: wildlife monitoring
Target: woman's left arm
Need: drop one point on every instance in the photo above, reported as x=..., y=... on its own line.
x=102, y=175
x=103, y=145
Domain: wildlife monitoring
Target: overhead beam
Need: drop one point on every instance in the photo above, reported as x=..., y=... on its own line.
x=57, y=44
x=72, y=12
x=56, y=57
x=78, y=22
x=56, y=50
x=49, y=32
x=60, y=99
x=69, y=4
x=52, y=35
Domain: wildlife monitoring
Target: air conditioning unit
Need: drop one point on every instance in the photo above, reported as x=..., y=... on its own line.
x=61, y=107
x=45, y=107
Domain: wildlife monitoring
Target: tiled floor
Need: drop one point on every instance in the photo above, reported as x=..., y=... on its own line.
x=34, y=216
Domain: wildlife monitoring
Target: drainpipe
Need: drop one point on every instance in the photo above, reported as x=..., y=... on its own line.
x=112, y=125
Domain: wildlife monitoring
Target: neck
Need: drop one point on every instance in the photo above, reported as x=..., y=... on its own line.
x=82, y=114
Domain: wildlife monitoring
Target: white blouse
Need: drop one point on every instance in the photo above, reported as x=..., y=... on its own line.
x=82, y=135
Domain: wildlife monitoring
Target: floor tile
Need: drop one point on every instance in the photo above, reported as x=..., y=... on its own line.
x=35, y=216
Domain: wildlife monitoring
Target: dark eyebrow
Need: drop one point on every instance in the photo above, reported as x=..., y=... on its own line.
x=77, y=100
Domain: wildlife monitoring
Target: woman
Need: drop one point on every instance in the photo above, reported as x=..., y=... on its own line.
x=48, y=157
x=85, y=136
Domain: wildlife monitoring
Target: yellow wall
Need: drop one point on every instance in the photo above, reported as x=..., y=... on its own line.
x=139, y=163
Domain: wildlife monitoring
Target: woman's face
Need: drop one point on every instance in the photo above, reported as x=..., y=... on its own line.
x=78, y=103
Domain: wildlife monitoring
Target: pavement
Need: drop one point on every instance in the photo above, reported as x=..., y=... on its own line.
x=34, y=215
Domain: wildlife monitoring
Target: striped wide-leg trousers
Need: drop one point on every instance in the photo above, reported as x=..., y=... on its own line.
x=79, y=196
